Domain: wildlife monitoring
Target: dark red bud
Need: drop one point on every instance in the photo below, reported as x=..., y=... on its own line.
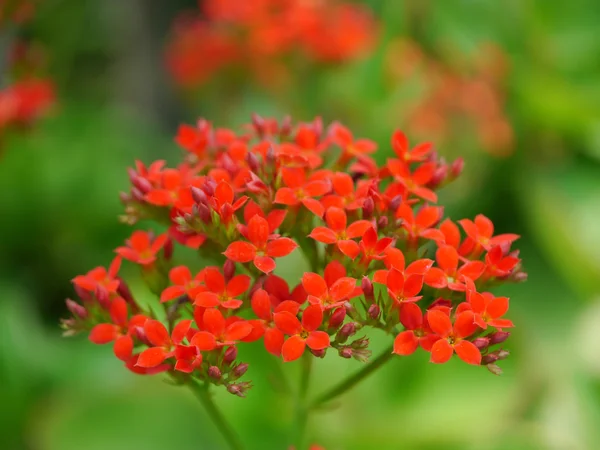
x=230, y=355
x=382, y=222
x=240, y=370
x=481, y=342
x=438, y=176
x=198, y=195
x=395, y=203
x=368, y=208
x=124, y=291
x=239, y=389
x=271, y=156
x=319, y=353
x=209, y=187
x=82, y=293
x=345, y=332
x=214, y=372
x=374, y=311
x=102, y=297
x=367, y=288
x=204, y=214
x=286, y=126
x=137, y=195
x=76, y=309
x=457, y=167
x=228, y=270
x=337, y=317
x=168, y=249
x=142, y=184
x=489, y=359
x=253, y=162
x=345, y=352
x=498, y=337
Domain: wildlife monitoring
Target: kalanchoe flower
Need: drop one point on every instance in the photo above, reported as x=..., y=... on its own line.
x=303, y=333
x=141, y=248
x=340, y=233
x=452, y=338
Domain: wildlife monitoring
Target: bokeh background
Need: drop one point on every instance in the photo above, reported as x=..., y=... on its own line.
x=512, y=86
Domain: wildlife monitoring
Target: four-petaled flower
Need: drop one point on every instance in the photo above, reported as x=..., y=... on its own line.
x=328, y=295
x=449, y=274
x=142, y=248
x=303, y=333
x=163, y=345
x=301, y=191
x=337, y=231
x=452, y=338
x=416, y=331
x=220, y=293
x=219, y=331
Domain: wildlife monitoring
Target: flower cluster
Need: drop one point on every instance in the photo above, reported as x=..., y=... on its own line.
x=377, y=250
x=16, y=11
x=259, y=35
x=473, y=94
x=23, y=102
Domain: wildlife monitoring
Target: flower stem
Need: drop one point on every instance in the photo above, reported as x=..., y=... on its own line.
x=352, y=380
x=302, y=409
x=202, y=392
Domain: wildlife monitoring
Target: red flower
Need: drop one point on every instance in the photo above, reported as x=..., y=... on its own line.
x=301, y=333
x=344, y=195
x=415, y=181
x=219, y=293
x=119, y=330
x=100, y=278
x=164, y=345
x=449, y=275
x=262, y=248
x=183, y=282
x=417, y=331
x=421, y=225
x=337, y=233
x=402, y=149
x=372, y=248
x=222, y=201
x=328, y=295
x=482, y=230
x=498, y=264
x=219, y=332
x=488, y=310
x=141, y=248
x=404, y=287
x=299, y=190
x=351, y=147
x=452, y=338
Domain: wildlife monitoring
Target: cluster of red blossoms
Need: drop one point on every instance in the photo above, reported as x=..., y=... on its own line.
x=380, y=253
x=260, y=34
x=23, y=102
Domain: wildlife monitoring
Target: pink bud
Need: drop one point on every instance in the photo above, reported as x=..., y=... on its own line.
x=481, y=342
x=368, y=208
x=228, y=270
x=123, y=291
x=239, y=370
x=136, y=194
x=214, y=372
x=382, y=222
x=374, y=311
x=337, y=317
x=498, y=337
x=319, y=353
x=286, y=126
x=124, y=197
x=457, y=167
x=142, y=184
x=345, y=332
x=367, y=288
x=438, y=177
x=76, y=309
x=198, y=195
x=230, y=355
x=253, y=162
x=239, y=389
x=345, y=352
x=395, y=203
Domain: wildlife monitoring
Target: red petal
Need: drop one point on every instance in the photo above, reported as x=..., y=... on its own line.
x=441, y=352
x=286, y=196
x=180, y=275
x=395, y=281
x=156, y=333
x=276, y=218
x=238, y=285
x=358, y=228
x=123, y=348
x=451, y=233
x=293, y=348
x=469, y=228
x=204, y=340
x=485, y=227
x=214, y=280
x=405, y=343
x=411, y=316
x=213, y=321
x=439, y=322
x=273, y=341
x=151, y=357
x=501, y=323
x=447, y=258
x=424, y=173
x=333, y=272
x=317, y=340
x=287, y=323
x=139, y=240
x=314, y=206
x=436, y=278
x=258, y=231
x=118, y=311
x=280, y=247
x=293, y=177
x=400, y=144
x=261, y=304
x=472, y=270
x=413, y=285
x=419, y=267
x=349, y=248
x=312, y=317
x=426, y=194
x=240, y=251
x=207, y=300
x=314, y=285
x=468, y=352
x=238, y=330
x=342, y=288
x=171, y=293
x=428, y=216
x=323, y=234
x=224, y=192
x=103, y=333
x=336, y=219
x=317, y=188
x=342, y=184
x=180, y=331
x=264, y=264
x=497, y=307
x=464, y=324
x=232, y=304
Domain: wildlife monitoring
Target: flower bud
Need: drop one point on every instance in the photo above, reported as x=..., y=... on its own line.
x=498, y=337
x=438, y=177
x=253, y=162
x=124, y=292
x=337, y=317
x=142, y=184
x=367, y=288
x=395, y=203
x=239, y=389
x=368, y=208
x=82, y=293
x=230, y=355
x=361, y=354
x=124, y=197
x=345, y=332
x=76, y=309
x=239, y=370
x=489, y=358
x=481, y=342
x=374, y=311
x=457, y=167
x=214, y=372
x=198, y=195
x=102, y=297
x=228, y=270
x=382, y=222
x=345, y=352
x=503, y=354
x=168, y=249
x=360, y=343
x=319, y=353
x=271, y=157
x=137, y=195
x=493, y=368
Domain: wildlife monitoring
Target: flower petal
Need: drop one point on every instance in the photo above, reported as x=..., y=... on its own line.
x=204, y=340
x=439, y=322
x=238, y=285
x=441, y=352
x=156, y=333
x=468, y=352
x=264, y=264
x=240, y=251
x=293, y=348
x=103, y=333
x=318, y=340
x=342, y=288
x=151, y=357
x=323, y=234
x=312, y=317
x=287, y=323
x=281, y=247
x=405, y=343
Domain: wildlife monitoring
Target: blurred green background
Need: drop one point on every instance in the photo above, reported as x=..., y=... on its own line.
x=59, y=205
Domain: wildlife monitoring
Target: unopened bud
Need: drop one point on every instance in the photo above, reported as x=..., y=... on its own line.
x=345, y=352
x=198, y=195
x=271, y=157
x=239, y=370
x=367, y=288
x=82, y=293
x=228, y=270
x=374, y=311
x=493, y=368
x=498, y=337
x=361, y=343
x=438, y=177
x=258, y=122
x=142, y=184
x=204, y=213
x=230, y=355
x=481, y=342
x=345, y=332
x=319, y=353
x=382, y=222
x=214, y=372
x=337, y=317
x=124, y=197
x=239, y=389
x=457, y=167
x=503, y=354
x=395, y=203
x=76, y=309
x=137, y=195
x=102, y=297
x=368, y=208
x=253, y=162
x=361, y=354
x=124, y=291
x=518, y=277
x=168, y=249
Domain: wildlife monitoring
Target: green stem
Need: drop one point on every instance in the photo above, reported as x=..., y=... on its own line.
x=202, y=392
x=352, y=380
x=302, y=408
